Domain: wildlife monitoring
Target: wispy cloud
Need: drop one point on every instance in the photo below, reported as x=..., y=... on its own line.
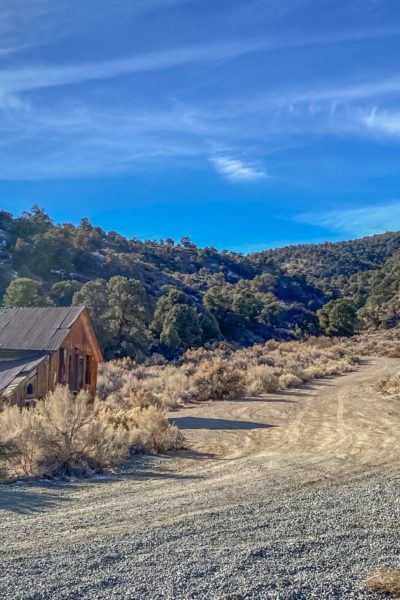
x=383, y=121
x=237, y=170
x=36, y=77
x=358, y=221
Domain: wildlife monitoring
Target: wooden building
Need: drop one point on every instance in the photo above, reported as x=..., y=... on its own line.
x=43, y=347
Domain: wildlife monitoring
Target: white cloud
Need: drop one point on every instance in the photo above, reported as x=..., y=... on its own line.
x=237, y=170
x=36, y=77
x=383, y=121
x=358, y=221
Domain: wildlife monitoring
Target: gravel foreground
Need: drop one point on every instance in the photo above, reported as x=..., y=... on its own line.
x=293, y=497
x=316, y=542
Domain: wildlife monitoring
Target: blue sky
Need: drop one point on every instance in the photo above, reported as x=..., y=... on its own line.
x=243, y=124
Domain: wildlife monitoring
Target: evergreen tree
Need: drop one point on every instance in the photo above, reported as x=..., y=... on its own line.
x=128, y=314
x=23, y=291
x=338, y=318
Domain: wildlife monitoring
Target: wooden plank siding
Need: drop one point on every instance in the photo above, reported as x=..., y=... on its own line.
x=74, y=364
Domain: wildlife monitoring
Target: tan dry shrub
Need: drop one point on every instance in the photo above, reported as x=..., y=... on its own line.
x=111, y=378
x=289, y=380
x=311, y=373
x=147, y=428
x=216, y=380
x=390, y=384
x=385, y=582
x=142, y=398
x=154, y=433
x=19, y=428
x=61, y=436
x=261, y=379
x=71, y=439
x=176, y=388
x=8, y=451
x=319, y=341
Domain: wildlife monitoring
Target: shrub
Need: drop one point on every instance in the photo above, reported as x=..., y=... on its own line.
x=217, y=379
x=61, y=436
x=261, y=380
x=289, y=380
x=176, y=388
x=147, y=428
x=385, y=582
x=7, y=452
x=71, y=439
x=142, y=398
x=389, y=384
x=153, y=432
x=19, y=428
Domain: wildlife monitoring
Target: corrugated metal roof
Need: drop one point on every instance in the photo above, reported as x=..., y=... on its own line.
x=12, y=370
x=36, y=328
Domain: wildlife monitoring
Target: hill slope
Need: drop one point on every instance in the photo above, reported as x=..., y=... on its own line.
x=181, y=295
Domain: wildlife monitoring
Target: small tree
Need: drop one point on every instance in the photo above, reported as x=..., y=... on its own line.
x=129, y=309
x=23, y=291
x=338, y=318
x=63, y=292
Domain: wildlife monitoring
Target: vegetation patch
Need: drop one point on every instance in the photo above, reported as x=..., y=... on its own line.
x=386, y=582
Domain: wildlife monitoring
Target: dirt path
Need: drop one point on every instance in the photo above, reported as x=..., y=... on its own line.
x=241, y=453
x=338, y=417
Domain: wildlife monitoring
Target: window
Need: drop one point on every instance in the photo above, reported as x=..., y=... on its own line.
x=88, y=369
x=61, y=366
x=29, y=389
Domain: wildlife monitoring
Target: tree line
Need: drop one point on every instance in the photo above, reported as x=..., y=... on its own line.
x=165, y=296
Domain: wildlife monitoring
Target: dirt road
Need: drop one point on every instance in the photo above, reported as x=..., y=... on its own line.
x=241, y=453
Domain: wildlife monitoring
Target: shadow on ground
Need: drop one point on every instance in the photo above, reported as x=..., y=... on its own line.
x=25, y=501
x=214, y=424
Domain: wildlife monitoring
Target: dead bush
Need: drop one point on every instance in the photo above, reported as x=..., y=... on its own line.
x=176, y=388
x=71, y=439
x=148, y=429
x=390, y=384
x=153, y=432
x=62, y=437
x=289, y=380
x=216, y=379
x=19, y=428
x=385, y=582
x=8, y=451
x=261, y=379
x=142, y=398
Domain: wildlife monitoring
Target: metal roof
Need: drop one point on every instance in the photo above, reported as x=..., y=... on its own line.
x=16, y=370
x=36, y=328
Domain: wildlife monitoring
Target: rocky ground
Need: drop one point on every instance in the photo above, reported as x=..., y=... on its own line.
x=294, y=496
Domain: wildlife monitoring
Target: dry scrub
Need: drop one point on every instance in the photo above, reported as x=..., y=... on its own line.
x=224, y=373
x=385, y=582
x=389, y=384
x=65, y=435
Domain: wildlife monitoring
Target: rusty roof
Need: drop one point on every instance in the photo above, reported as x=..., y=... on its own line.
x=11, y=369
x=36, y=328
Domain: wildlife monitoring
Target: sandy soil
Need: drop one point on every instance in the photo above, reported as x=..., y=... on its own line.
x=238, y=451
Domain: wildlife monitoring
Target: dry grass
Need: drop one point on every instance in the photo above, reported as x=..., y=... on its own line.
x=385, y=582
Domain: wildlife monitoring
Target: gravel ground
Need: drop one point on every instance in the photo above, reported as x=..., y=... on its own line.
x=307, y=509
x=316, y=542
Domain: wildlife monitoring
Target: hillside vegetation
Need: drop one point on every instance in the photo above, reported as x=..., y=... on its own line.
x=165, y=297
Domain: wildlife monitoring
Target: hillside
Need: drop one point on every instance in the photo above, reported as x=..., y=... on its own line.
x=163, y=296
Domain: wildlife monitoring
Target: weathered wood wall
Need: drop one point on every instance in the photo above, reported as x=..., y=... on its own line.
x=75, y=365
